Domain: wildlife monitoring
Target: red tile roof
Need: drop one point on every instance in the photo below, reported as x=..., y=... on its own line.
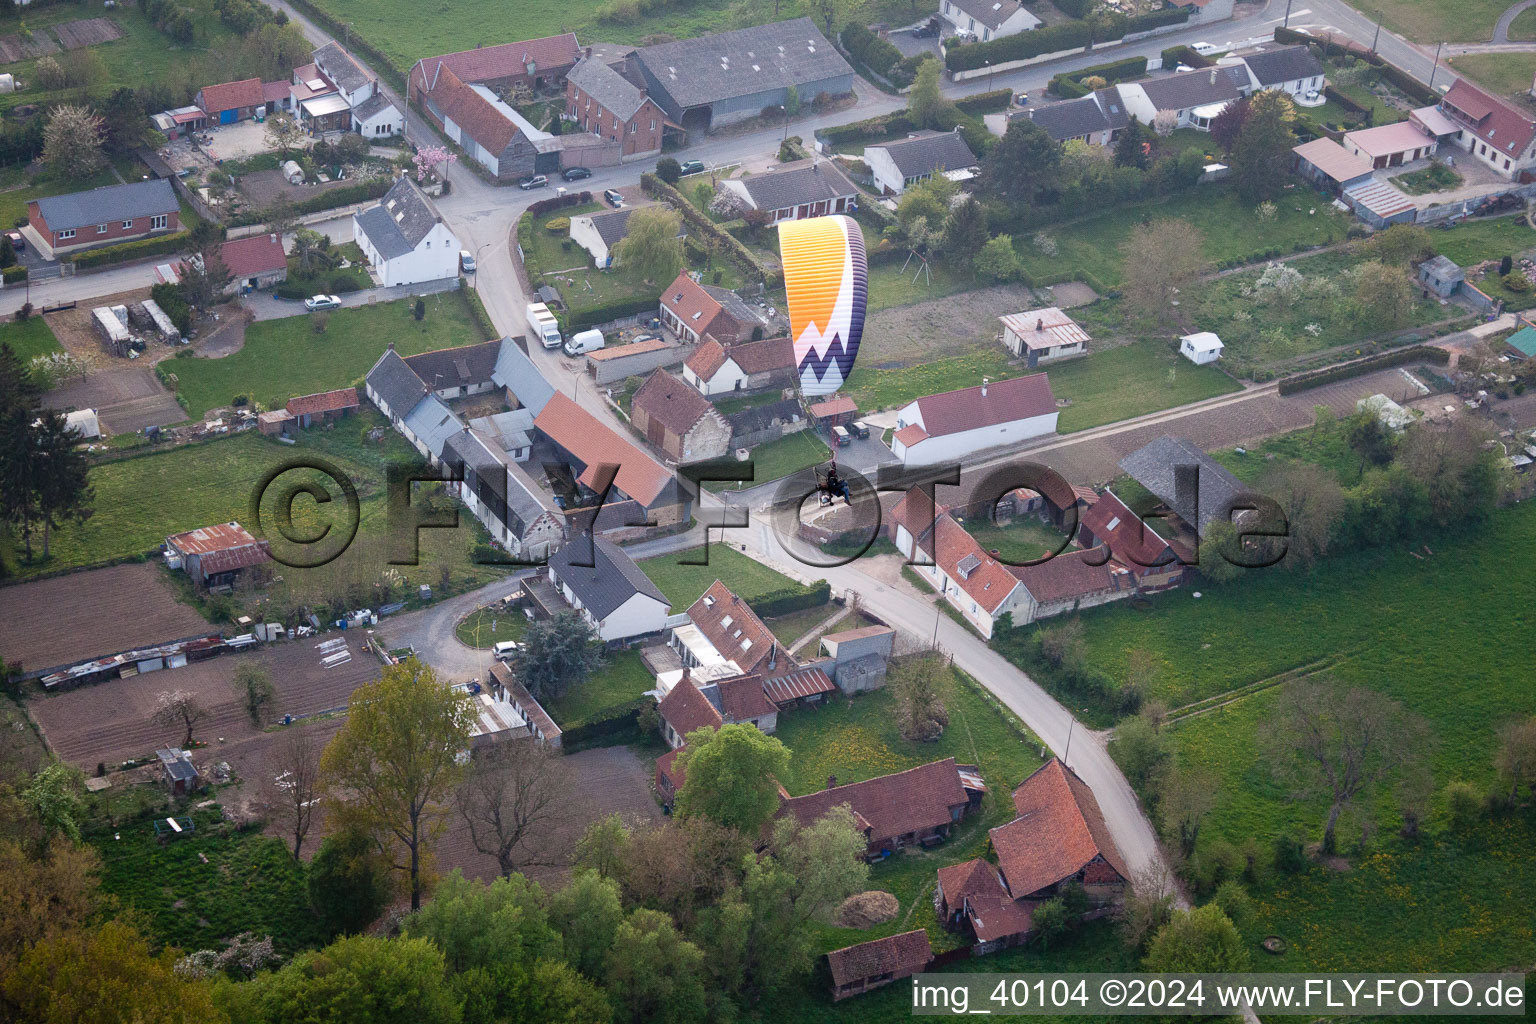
x=506, y=60
x=742, y=699
x=993, y=913
x=668, y=768
x=258, y=254
x=984, y=579
x=1130, y=540
x=764, y=356
x=325, y=401
x=837, y=405
x=589, y=441
x=1499, y=125
x=910, y=435
x=473, y=113
x=707, y=359
x=687, y=300
x=734, y=628
x=686, y=709
x=987, y=405
x=672, y=403
x=1058, y=832
x=916, y=511
x=275, y=92
x=915, y=800
x=232, y=95
x=1071, y=574
x=902, y=954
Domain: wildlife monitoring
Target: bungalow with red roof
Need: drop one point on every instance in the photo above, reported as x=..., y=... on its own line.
x=869, y=965
x=257, y=261
x=322, y=408
x=678, y=420
x=917, y=806
x=229, y=102
x=944, y=427
x=1059, y=839
x=723, y=368
x=691, y=310
x=1494, y=131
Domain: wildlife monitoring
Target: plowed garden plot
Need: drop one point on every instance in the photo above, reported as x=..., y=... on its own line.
x=87, y=32
x=84, y=615
x=14, y=47
x=128, y=399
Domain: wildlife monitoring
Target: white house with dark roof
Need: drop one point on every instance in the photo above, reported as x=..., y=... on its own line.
x=611, y=592
x=987, y=19
x=404, y=238
x=599, y=232
x=1096, y=119
x=916, y=158
x=1290, y=69
x=944, y=427
x=1196, y=97
x=520, y=515
x=796, y=191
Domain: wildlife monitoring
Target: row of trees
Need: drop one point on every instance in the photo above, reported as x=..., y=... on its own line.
x=43, y=481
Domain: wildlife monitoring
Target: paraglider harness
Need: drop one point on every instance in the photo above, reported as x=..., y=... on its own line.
x=833, y=486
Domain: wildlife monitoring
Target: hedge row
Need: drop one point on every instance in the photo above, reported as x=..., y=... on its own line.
x=1399, y=78
x=617, y=726
x=477, y=310
x=1343, y=101
x=1075, y=8
x=544, y=206
x=871, y=129
x=346, y=195
x=875, y=53
x=1182, y=54
x=786, y=600
x=1115, y=71
x=1397, y=357
x=131, y=251
x=601, y=314
x=1066, y=36
x=986, y=102
x=317, y=284
x=13, y=274
x=733, y=248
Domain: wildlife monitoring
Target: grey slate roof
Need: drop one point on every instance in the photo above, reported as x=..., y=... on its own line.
x=991, y=13
x=760, y=417
x=511, y=430
x=515, y=371
x=1442, y=267
x=616, y=93
x=763, y=58
x=1286, y=64
x=928, y=153
x=401, y=220
x=1195, y=88
x=484, y=457
x=456, y=367
x=342, y=68
x=612, y=579
x=396, y=383
x=1071, y=119
x=433, y=422
x=613, y=225
x=371, y=106
x=808, y=183
x=107, y=204
x=1153, y=468
x=733, y=304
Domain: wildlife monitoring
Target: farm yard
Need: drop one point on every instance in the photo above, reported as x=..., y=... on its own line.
x=67, y=619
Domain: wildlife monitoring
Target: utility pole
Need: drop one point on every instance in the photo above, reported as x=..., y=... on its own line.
x=1377, y=36
x=1068, y=752
x=1437, y=65
x=1287, y=23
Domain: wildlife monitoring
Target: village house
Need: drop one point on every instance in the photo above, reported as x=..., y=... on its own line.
x=918, y=157
x=869, y=965
x=1154, y=563
x=216, y=556
x=1494, y=131
x=1096, y=119
x=521, y=516
x=254, y=262
x=1197, y=488
x=691, y=310
x=599, y=233
x=354, y=87
x=610, y=103
x=1043, y=336
x=229, y=102
x=918, y=806
x=404, y=238
x=721, y=369
x=944, y=427
x=612, y=594
x=533, y=63
x=678, y=420
x=319, y=409
x=732, y=629
x=683, y=710
x=987, y=19
x=103, y=216
x=1293, y=69
x=1058, y=839
x=458, y=372
x=1194, y=97
x=493, y=134
x=795, y=191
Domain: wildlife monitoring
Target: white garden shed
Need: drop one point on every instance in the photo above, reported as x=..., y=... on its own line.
x=1204, y=347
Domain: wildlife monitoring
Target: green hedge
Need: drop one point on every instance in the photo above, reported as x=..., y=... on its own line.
x=786, y=600
x=734, y=250
x=337, y=283
x=1342, y=100
x=618, y=726
x=477, y=310
x=13, y=274
x=1075, y=8
x=1397, y=357
x=875, y=53
x=1066, y=36
x=1114, y=71
x=1182, y=54
x=544, y=206
x=601, y=314
x=986, y=102
x=871, y=129
x=130, y=251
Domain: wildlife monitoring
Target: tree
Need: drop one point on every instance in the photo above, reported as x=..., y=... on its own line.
x=834, y=13
x=669, y=170
x=256, y=692
x=653, y=973
x=479, y=925
x=1050, y=920
x=348, y=882
x=357, y=978
x=1139, y=749
x=966, y=232
x=283, y=132
x=306, y=248
x=282, y=216
x=1341, y=744
x=1515, y=760
x=295, y=786
x=1199, y=940
x=1313, y=504
x=997, y=260
x=650, y=249
x=105, y=975
x=1383, y=292
x=1185, y=797
x=419, y=310
x=557, y=653
x=791, y=102
x=1369, y=439
x=920, y=685
x=513, y=798
x=49, y=891
x=1133, y=148
x=1457, y=465
x=682, y=866
x=55, y=798
x=928, y=201
x=927, y=106
x=179, y=707
x=429, y=160
x=1227, y=126
x=1147, y=906
x=396, y=759
x=1162, y=259
x=603, y=847
x=731, y=776
x=587, y=914
x=59, y=474
x=204, y=279
x=72, y=142
x=1023, y=164
x=122, y=121
x=1260, y=154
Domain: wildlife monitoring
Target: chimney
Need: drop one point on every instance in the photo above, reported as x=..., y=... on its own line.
x=984, y=382
x=831, y=781
x=1039, y=323
x=773, y=655
x=1213, y=76
x=589, y=51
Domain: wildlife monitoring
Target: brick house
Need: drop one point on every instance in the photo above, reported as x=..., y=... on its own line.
x=614, y=105
x=229, y=102
x=691, y=310
x=869, y=965
x=678, y=420
x=254, y=262
x=487, y=132
x=919, y=805
x=531, y=62
x=101, y=216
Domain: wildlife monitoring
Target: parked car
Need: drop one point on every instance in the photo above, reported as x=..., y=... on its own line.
x=692, y=166
x=615, y=199
x=576, y=173
x=18, y=241
x=533, y=181
x=1202, y=48
x=315, y=303
x=466, y=261
x=860, y=430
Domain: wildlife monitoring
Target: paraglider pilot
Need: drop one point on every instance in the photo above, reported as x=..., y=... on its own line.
x=834, y=486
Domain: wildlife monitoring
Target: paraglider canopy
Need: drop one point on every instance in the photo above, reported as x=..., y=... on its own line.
x=827, y=282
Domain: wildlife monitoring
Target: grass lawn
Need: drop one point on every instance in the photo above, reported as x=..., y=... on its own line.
x=1130, y=380
x=1474, y=241
x=891, y=284
x=29, y=339
x=684, y=584
x=483, y=628
x=619, y=682
x=1230, y=228
x=1023, y=538
x=1435, y=178
x=1523, y=28
x=1452, y=21
x=789, y=454
x=250, y=882
x=284, y=358
x=1508, y=74
x=791, y=627
x=875, y=389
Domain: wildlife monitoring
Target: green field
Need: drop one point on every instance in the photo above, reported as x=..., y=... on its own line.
x=1509, y=74
x=891, y=284
x=283, y=358
x=483, y=628
x=789, y=454
x=1131, y=380
x=1022, y=539
x=685, y=584
x=1523, y=28
x=1474, y=241
x=29, y=339
x=622, y=679
x=1433, y=21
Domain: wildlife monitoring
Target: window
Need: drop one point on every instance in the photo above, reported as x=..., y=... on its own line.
x=159, y=220
x=101, y=229
x=127, y=225
x=632, y=127
x=653, y=124
x=67, y=234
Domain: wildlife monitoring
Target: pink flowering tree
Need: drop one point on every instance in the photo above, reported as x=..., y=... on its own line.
x=428, y=159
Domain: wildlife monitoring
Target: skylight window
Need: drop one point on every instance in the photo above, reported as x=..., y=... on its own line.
x=746, y=645
x=725, y=623
x=1113, y=523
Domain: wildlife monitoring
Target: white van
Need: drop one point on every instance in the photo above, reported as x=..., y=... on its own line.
x=505, y=650
x=466, y=261
x=585, y=341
